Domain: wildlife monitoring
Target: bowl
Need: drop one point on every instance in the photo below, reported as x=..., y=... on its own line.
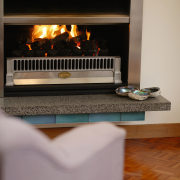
x=153, y=91
x=124, y=90
x=139, y=95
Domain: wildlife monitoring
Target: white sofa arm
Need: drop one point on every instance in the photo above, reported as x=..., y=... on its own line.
x=82, y=143
x=91, y=152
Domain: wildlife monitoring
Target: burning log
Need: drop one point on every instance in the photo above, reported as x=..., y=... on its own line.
x=23, y=48
x=29, y=54
x=64, y=52
x=46, y=44
x=103, y=52
x=76, y=39
x=39, y=52
x=76, y=51
x=61, y=37
x=89, y=48
x=35, y=45
x=52, y=53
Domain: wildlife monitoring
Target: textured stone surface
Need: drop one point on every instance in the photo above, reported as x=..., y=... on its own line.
x=78, y=104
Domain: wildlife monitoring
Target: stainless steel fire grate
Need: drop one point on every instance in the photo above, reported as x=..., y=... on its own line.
x=69, y=64
x=62, y=70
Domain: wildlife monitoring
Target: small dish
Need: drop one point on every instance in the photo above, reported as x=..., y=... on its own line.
x=153, y=91
x=139, y=95
x=125, y=90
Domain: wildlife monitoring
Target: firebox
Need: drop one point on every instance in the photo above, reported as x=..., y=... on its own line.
x=69, y=49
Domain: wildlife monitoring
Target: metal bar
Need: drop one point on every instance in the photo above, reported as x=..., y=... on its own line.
x=1, y=58
x=1, y=49
x=136, y=14
x=66, y=19
x=1, y=8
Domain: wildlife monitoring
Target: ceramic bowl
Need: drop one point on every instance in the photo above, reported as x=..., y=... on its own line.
x=139, y=95
x=153, y=91
x=125, y=90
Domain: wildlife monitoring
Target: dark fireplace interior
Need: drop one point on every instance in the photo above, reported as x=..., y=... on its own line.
x=104, y=40
x=62, y=7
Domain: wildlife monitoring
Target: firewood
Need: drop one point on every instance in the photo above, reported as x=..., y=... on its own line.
x=46, y=44
x=52, y=53
x=61, y=37
x=76, y=51
x=39, y=52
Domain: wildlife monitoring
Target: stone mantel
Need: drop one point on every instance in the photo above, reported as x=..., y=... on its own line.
x=80, y=104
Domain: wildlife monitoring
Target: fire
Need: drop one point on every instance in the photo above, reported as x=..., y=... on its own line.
x=88, y=34
x=74, y=31
x=45, y=31
x=63, y=29
x=29, y=46
x=51, y=31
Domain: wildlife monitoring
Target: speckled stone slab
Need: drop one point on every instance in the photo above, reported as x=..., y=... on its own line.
x=79, y=104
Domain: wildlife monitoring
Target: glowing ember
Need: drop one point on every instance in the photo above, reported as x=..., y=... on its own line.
x=98, y=51
x=88, y=34
x=29, y=46
x=78, y=45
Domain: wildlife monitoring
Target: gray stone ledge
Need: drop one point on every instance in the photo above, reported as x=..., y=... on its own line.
x=79, y=104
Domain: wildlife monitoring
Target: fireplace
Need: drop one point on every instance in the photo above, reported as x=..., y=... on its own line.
x=69, y=49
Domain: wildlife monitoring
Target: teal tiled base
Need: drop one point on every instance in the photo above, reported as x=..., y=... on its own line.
x=133, y=116
x=40, y=119
x=85, y=118
x=72, y=118
x=111, y=117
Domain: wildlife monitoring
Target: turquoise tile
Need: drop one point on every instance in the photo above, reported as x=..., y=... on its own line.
x=133, y=116
x=112, y=117
x=72, y=118
x=40, y=119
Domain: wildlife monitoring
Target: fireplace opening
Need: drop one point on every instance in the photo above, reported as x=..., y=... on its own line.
x=67, y=40
x=63, y=59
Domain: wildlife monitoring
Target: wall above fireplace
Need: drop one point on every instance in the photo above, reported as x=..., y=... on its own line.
x=125, y=14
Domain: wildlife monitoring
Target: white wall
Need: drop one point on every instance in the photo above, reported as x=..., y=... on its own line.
x=160, y=65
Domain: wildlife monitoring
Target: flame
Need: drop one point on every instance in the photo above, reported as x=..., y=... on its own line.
x=63, y=29
x=29, y=46
x=45, y=31
x=88, y=34
x=51, y=31
x=74, y=31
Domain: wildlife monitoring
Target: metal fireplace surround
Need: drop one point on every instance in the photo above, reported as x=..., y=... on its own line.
x=134, y=18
